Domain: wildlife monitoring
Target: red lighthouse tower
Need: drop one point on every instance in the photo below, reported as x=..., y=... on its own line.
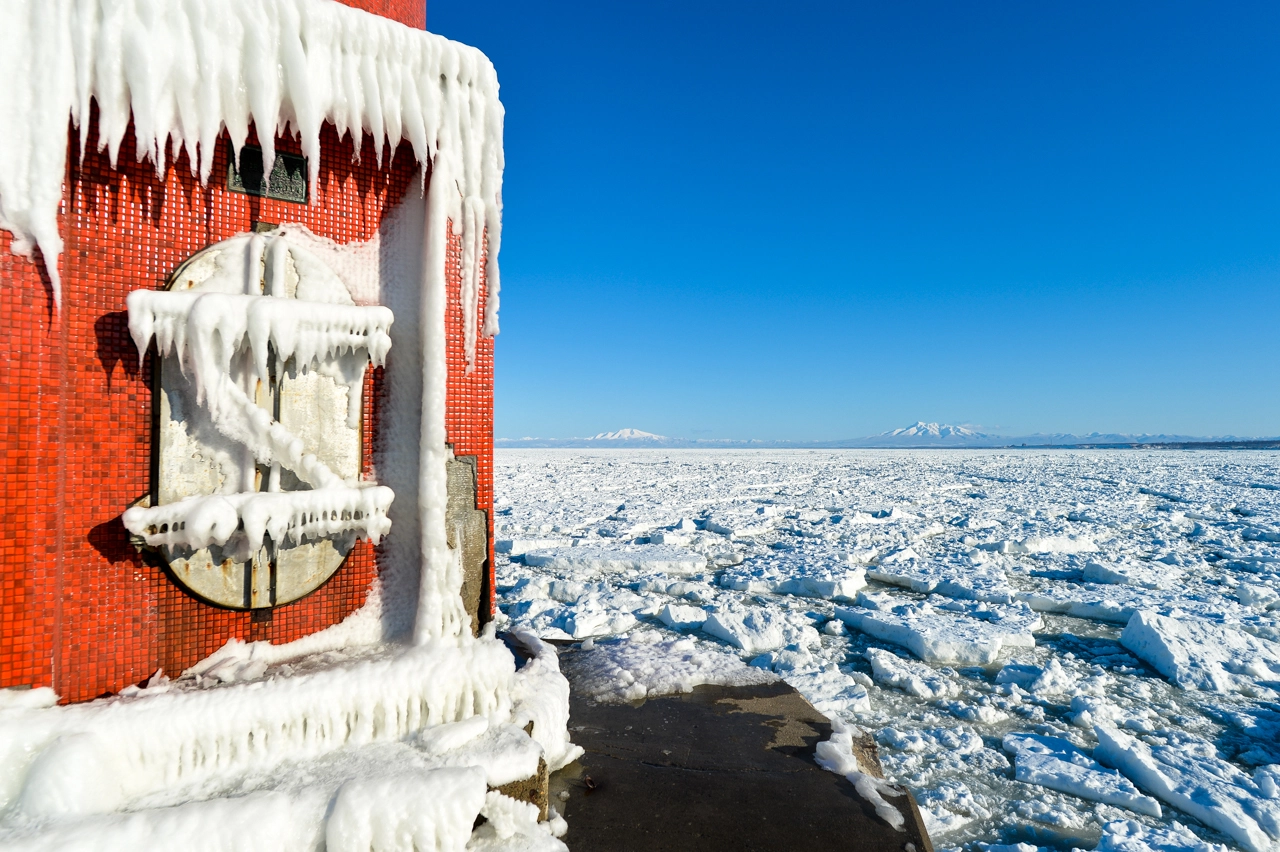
x=88, y=608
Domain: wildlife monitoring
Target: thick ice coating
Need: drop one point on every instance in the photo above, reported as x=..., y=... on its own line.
x=286, y=516
x=210, y=331
x=185, y=72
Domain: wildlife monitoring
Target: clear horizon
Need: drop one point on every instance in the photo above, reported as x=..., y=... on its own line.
x=644, y=433
x=826, y=220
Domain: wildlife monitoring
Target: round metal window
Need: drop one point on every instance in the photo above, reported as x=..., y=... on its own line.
x=257, y=495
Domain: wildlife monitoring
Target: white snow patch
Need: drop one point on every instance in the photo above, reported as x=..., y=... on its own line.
x=646, y=665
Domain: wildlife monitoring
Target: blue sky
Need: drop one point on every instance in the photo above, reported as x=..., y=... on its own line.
x=825, y=220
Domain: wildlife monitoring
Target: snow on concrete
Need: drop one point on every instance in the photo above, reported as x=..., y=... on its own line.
x=836, y=755
x=647, y=663
x=919, y=520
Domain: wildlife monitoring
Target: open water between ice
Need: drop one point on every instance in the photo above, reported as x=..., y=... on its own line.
x=1067, y=649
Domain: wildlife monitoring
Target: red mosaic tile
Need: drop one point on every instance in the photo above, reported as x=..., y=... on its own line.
x=80, y=609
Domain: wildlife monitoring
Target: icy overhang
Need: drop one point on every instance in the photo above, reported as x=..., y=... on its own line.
x=185, y=72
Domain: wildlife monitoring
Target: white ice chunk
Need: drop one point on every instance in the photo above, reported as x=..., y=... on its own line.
x=1058, y=765
x=1133, y=836
x=1202, y=655
x=752, y=630
x=520, y=546
x=831, y=691
x=639, y=557
x=797, y=574
x=1191, y=777
x=937, y=636
x=913, y=678
x=1043, y=544
x=1150, y=575
x=744, y=522
x=965, y=579
x=680, y=617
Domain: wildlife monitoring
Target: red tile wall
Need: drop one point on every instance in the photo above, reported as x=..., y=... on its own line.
x=412, y=13
x=469, y=396
x=80, y=609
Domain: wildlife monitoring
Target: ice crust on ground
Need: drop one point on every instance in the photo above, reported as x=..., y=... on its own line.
x=1179, y=535
x=242, y=754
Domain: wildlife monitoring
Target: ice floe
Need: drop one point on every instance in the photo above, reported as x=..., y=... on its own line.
x=1187, y=774
x=637, y=557
x=936, y=634
x=1057, y=764
x=947, y=647
x=1203, y=655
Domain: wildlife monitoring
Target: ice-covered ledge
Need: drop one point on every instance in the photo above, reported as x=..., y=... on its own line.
x=289, y=516
x=279, y=747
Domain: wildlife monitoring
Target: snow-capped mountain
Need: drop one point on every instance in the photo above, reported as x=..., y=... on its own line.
x=629, y=435
x=619, y=439
x=919, y=435
x=921, y=431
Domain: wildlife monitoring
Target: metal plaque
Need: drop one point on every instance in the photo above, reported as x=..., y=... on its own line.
x=288, y=176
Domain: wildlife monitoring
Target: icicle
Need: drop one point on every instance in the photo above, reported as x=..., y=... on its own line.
x=185, y=71
x=205, y=329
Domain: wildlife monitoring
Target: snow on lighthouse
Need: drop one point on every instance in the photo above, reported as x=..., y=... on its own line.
x=249, y=284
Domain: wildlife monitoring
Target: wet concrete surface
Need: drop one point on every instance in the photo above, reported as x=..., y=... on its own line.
x=721, y=767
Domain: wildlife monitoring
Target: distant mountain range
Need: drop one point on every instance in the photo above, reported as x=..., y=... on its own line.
x=919, y=435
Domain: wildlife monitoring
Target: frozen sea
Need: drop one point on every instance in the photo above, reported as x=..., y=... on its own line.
x=1066, y=649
